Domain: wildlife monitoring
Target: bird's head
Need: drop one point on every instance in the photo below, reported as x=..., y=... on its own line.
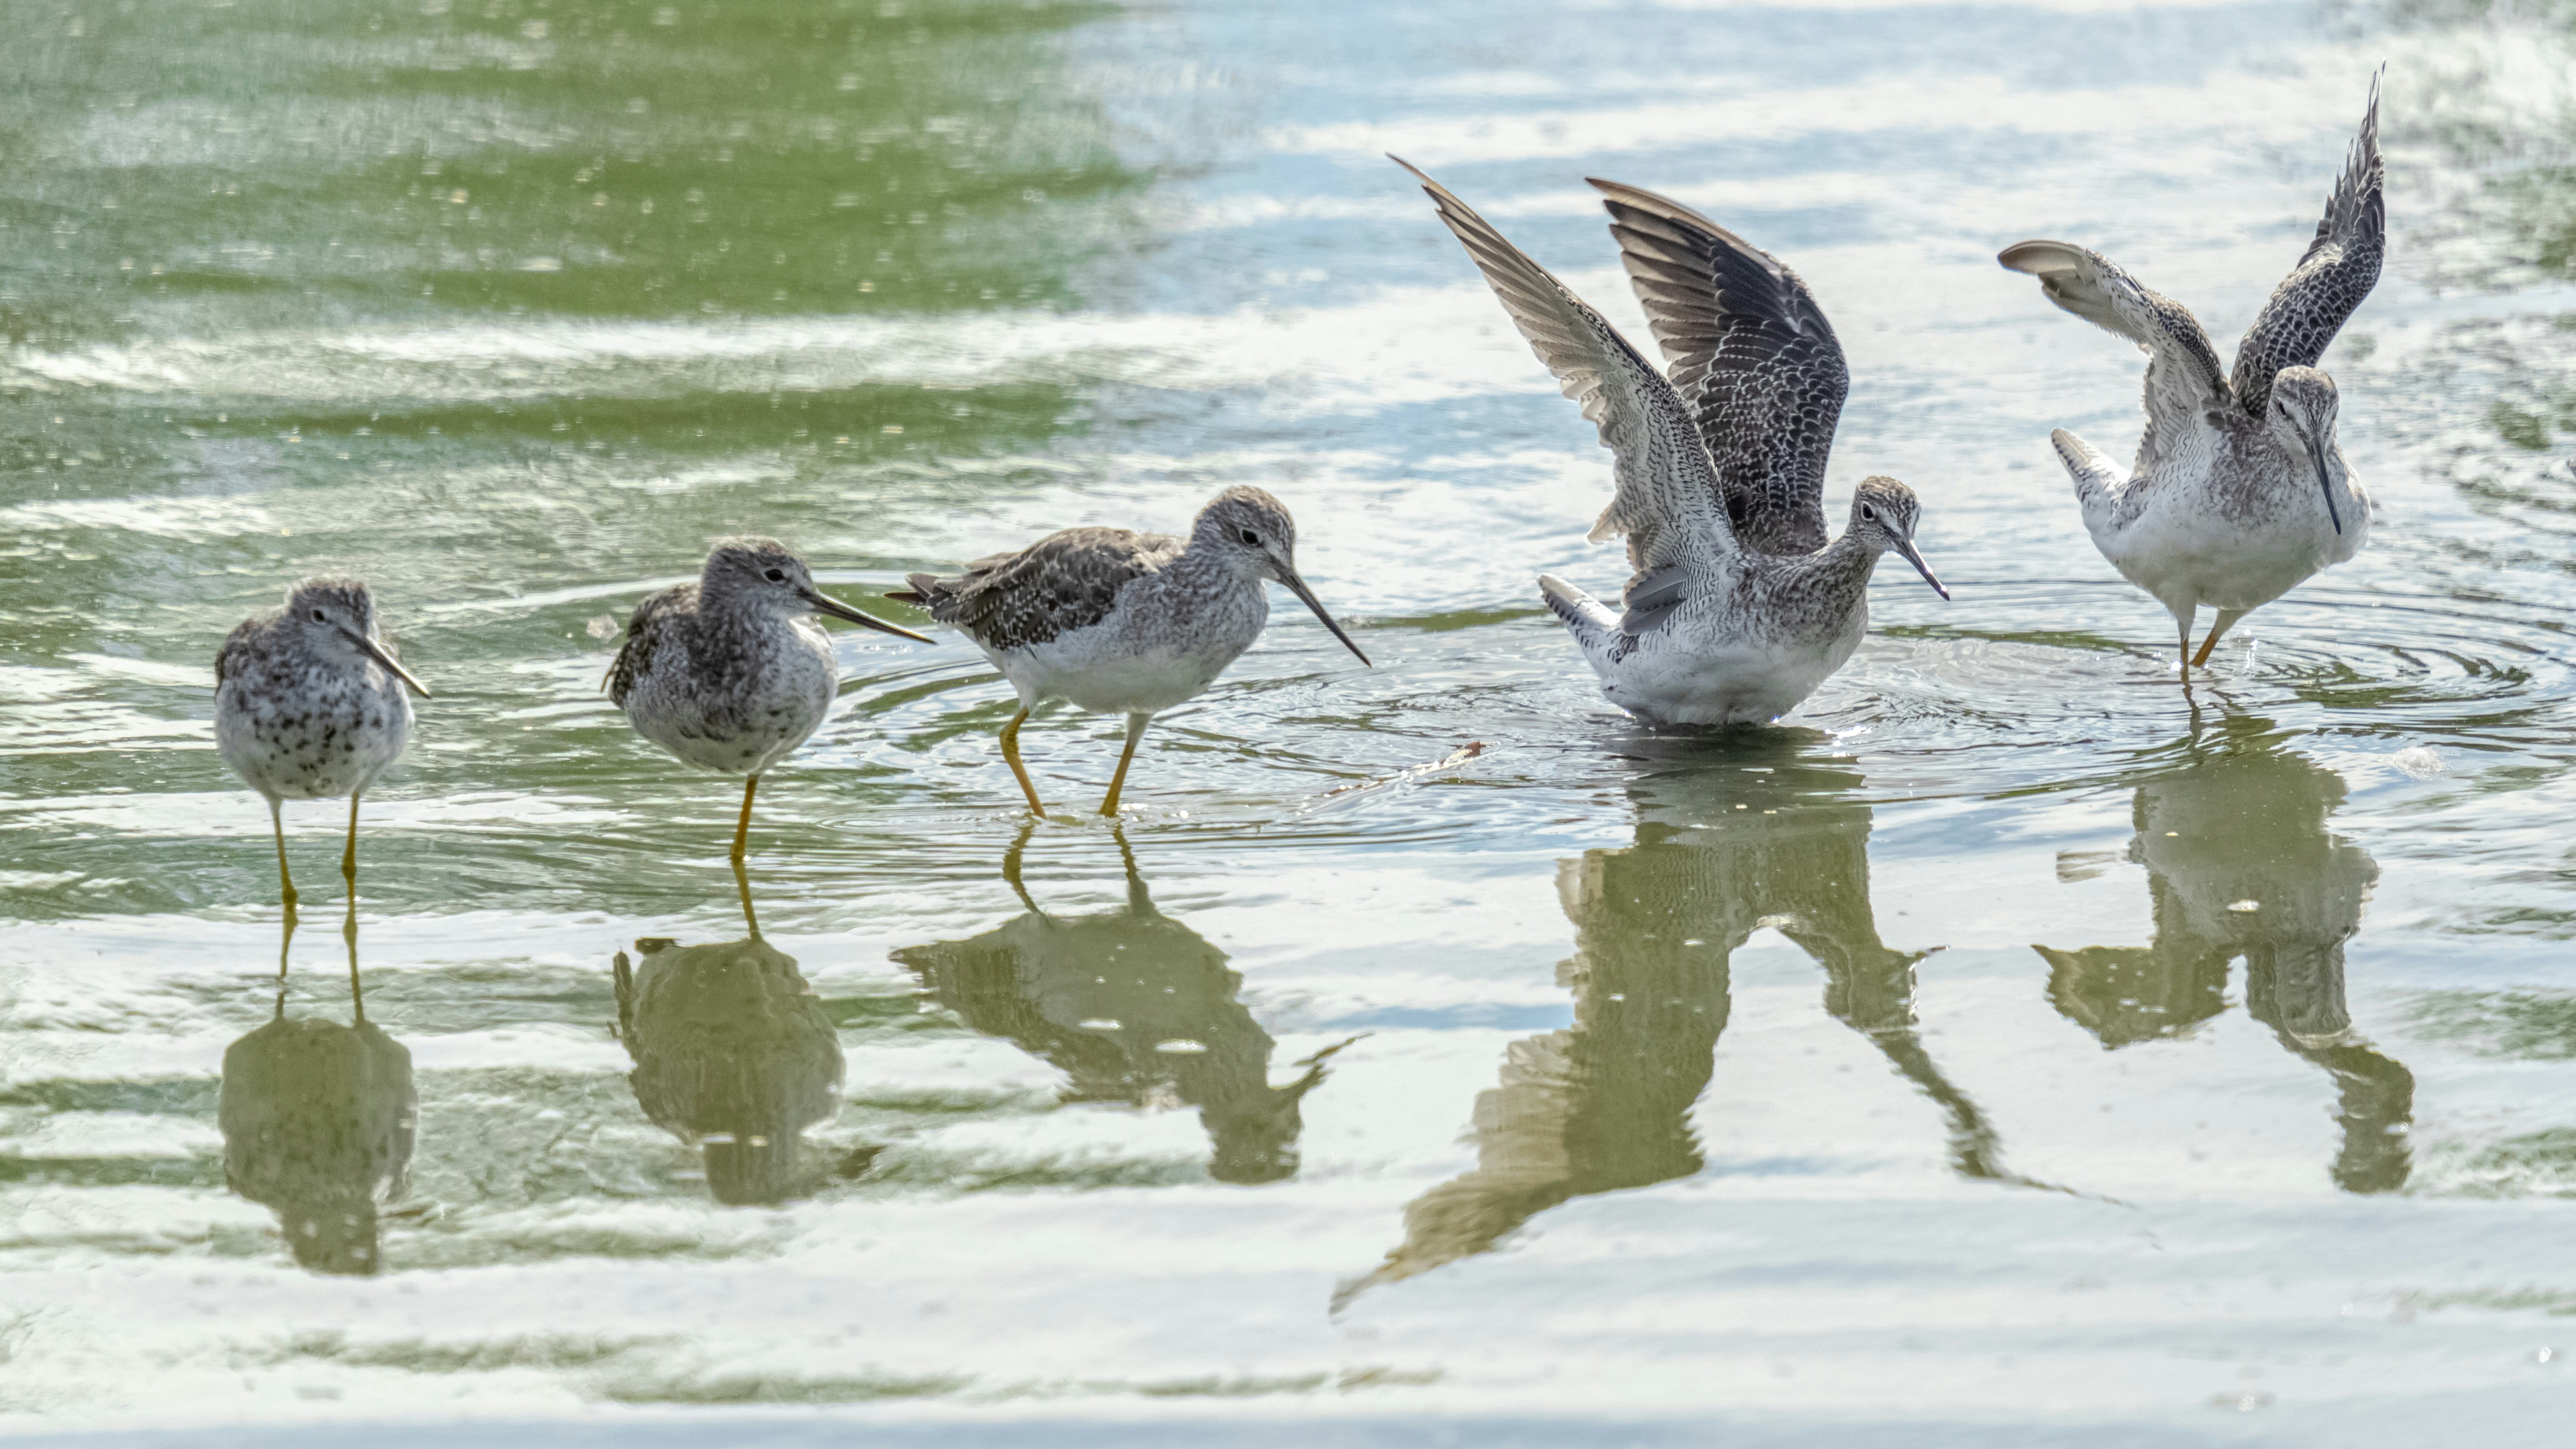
x=1883, y=515
x=2301, y=416
x=762, y=573
x=337, y=616
x=1252, y=533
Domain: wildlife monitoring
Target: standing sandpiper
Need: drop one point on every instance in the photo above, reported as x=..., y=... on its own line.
x=310, y=704
x=733, y=672
x=1120, y=622
x=2238, y=493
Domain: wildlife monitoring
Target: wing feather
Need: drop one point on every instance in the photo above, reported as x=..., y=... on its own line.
x=1666, y=496
x=2183, y=376
x=1751, y=353
x=2336, y=272
x=1063, y=582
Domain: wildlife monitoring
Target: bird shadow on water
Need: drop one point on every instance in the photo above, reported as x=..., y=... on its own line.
x=1735, y=831
x=2232, y=829
x=318, y=1121
x=1135, y=1008
x=735, y=1055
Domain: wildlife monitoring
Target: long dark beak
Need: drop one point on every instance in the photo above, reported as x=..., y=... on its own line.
x=376, y=652
x=2317, y=451
x=1298, y=587
x=839, y=610
x=1905, y=546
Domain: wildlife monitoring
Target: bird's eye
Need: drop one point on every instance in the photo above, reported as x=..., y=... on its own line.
x=1868, y=514
x=1251, y=539
x=777, y=576
x=317, y=616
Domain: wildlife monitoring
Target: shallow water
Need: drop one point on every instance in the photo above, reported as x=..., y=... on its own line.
x=2009, y=1043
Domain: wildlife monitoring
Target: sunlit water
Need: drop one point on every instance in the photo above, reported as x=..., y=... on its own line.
x=2013, y=1046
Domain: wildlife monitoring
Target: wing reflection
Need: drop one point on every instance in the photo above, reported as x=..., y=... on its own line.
x=1134, y=1007
x=318, y=1123
x=2240, y=864
x=733, y=1054
x=1723, y=848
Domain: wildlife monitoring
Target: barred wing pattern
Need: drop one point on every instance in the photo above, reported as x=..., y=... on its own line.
x=1666, y=499
x=2183, y=376
x=1063, y=582
x=2339, y=269
x=1752, y=354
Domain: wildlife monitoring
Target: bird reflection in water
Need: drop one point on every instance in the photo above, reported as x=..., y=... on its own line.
x=1134, y=1007
x=318, y=1122
x=2240, y=864
x=733, y=1054
x=1723, y=848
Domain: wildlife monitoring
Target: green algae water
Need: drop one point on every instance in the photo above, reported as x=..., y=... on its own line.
x=2011, y=1048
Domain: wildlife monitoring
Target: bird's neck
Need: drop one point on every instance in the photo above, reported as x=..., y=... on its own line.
x=1206, y=562
x=1846, y=562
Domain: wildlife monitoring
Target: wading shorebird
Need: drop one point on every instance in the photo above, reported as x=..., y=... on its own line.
x=1738, y=607
x=733, y=672
x=1124, y=623
x=2238, y=493
x=310, y=704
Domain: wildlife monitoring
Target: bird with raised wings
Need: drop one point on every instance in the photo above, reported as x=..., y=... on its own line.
x=1737, y=606
x=2239, y=492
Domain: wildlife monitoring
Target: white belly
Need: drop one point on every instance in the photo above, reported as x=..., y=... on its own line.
x=1137, y=661
x=1754, y=682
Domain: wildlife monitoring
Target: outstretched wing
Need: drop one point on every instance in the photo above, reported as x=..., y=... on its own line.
x=1751, y=353
x=1666, y=498
x=2183, y=378
x=2339, y=269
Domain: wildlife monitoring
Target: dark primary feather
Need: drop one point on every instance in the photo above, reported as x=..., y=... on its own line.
x=653, y=618
x=1751, y=353
x=1063, y=582
x=1667, y=502
x=2338, y=270
x=236, y=650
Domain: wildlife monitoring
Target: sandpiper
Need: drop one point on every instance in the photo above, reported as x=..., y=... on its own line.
x=1738, y=607
x=2238, y=492
x=1124, y=623
x=733, y=672
x=310, y=704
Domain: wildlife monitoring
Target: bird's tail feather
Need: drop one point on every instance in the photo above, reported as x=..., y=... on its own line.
x=924, y=588
x=2097, y=480
x=1585, y=615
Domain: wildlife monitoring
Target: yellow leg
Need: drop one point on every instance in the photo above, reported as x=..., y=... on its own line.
x=285, y=939
x=2226, y=620
x=1135, y=731
x=742, y=887
x=285, y=882
x=2185, y=625
x=1011, y=752
x=349, y=856
x=742, y=827
x=349, y=933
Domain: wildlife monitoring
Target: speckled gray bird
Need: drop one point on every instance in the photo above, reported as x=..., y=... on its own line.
x=311, y=704
x=733, y=672
x=1124, y=623
x=2239, y=492
x=1737, y=606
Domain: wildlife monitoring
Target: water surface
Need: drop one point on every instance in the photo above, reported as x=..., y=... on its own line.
x=2009, y=1043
